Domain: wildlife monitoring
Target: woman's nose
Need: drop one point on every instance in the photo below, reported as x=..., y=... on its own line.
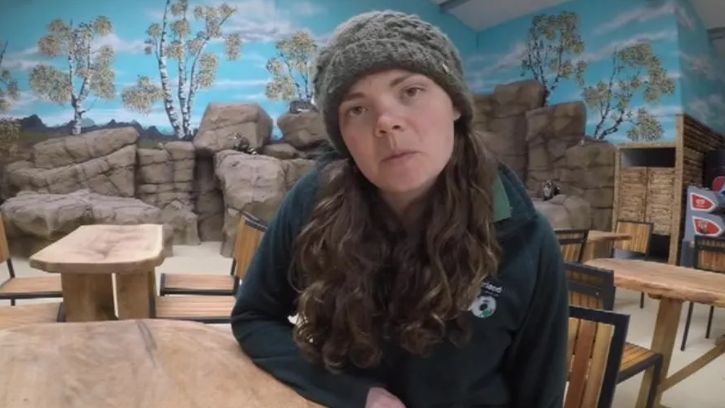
x=387, y=124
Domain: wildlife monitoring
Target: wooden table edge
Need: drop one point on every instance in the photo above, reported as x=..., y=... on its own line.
x=136, y=266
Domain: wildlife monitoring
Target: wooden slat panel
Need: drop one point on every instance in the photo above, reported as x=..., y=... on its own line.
x=4, y=251
x=583, y=299
x=573, y=330
x=602, y=344
x=660, y=194
x=640, y=234
x=180, y=307
x=633, y=355
x=580, y=366
x=25, y=285
x=13, y=316
x=199, y=281
x=246, y=243
x=632, y=193
x=711, y=255
x=571, y=252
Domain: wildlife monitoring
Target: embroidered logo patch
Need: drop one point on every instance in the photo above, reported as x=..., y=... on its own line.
x=484, y=305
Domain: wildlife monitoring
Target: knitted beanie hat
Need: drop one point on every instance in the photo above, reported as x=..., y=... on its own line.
x=380, y=40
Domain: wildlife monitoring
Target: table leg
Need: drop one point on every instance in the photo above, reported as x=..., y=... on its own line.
x=663, y=342
x=135, y=295
x=87, y=297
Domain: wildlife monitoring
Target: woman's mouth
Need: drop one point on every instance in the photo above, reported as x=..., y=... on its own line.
x=398, y=156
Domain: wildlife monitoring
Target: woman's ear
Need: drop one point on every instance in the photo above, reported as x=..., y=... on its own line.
x=456, y=114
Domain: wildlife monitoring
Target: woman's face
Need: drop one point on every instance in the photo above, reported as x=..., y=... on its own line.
x=398, y=127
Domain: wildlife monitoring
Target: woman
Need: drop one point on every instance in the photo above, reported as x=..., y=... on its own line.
x=419, y=270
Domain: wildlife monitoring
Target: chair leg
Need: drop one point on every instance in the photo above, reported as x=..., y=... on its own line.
x=641, y=300
x=61, y=313
x=687, y=326
x=12, y=302
x=709, y=322
x=657, y=368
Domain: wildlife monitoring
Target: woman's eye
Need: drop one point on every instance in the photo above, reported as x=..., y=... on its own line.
x=412, y=91
x=355, y=111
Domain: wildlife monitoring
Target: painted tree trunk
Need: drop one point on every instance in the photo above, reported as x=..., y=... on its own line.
x=165, y=85
x=181, y=92
x=77, y=105
x=188, y=109
x=77, y=119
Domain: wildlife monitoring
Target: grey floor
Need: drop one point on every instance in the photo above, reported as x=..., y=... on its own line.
x=704, y=389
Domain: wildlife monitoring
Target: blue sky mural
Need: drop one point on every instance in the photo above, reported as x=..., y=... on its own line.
x=604, y=27
x=491, y=56
x=260, y=23
x=703, y=79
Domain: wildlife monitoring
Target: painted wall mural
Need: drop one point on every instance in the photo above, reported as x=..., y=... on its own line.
x=635, y=64
x=620, y=57
x=159, y=63
x=703, y=79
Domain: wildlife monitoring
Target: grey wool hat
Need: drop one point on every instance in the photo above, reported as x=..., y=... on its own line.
x=381, y=40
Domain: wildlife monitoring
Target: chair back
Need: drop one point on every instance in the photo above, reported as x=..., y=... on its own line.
x=249, y=234
x=594, y=352
x=641, y=233
x=5, y=249
x=589, y=286
x=710, y=254
x=572, y=242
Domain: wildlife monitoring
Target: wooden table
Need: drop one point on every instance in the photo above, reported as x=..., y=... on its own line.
x=89, y=256
x=599, y=243
x=673, y=285
x=133, y=363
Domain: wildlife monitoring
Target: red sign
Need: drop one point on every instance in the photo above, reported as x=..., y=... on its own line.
x=706, y=227
x=701, y=203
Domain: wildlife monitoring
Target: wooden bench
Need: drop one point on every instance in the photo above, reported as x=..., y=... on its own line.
x=20, y=315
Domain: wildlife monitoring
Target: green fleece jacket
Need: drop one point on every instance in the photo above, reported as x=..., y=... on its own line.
x=516, y=356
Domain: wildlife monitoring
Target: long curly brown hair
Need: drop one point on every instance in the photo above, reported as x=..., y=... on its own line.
x=363, y=280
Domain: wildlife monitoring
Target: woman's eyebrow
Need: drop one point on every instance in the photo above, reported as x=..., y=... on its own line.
x=401, y=78
x=351, y=96
x=394, y=82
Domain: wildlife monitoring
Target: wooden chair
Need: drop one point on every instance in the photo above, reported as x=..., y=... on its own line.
x=594, y=288
x=572, y=242
x=210, y=283
x=215, y=308
x=589, y=286
x=709, y=256
x=594, y=350
x=639, y=245
x=13, y=316
x=25, y=287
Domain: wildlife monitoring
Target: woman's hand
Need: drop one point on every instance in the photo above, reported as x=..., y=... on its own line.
x=381, y=398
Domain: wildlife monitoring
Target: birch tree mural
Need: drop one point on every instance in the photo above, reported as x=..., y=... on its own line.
x=634, y=69
x=553, y=42
x=9, y=129
x=292, y=69
x=196, y=69
x=88, y=69
x=8, y=86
